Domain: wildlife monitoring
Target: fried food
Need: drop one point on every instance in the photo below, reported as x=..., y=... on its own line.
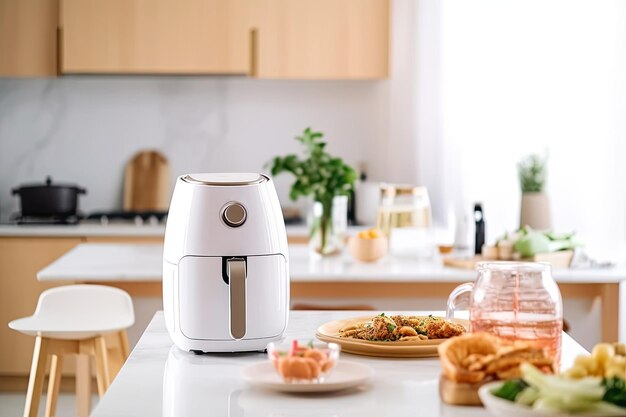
x=474, y=358
x=402, y=328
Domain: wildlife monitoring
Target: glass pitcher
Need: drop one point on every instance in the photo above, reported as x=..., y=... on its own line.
x=516, y=301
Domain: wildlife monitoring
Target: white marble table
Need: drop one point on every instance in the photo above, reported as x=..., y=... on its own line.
x=338, y=280
x=160, y=380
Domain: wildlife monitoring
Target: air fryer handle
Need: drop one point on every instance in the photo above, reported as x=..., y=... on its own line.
x=236, y=270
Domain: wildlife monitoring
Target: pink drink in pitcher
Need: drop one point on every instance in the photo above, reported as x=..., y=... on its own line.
x=516, y=301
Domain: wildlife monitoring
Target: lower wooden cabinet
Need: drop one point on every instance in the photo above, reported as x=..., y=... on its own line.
x=21, y=258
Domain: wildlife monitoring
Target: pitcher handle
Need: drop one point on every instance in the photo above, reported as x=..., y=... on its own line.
x=463, y=290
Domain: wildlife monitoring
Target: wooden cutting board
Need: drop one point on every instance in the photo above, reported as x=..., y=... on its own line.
x=558, y=260
x=147, y=182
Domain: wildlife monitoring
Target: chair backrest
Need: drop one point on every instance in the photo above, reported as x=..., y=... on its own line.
x=87, y=306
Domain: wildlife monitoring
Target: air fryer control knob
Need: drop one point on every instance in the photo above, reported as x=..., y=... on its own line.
x=234, y=214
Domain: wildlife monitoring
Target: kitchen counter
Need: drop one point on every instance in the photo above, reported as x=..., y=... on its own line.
x=143, y=262
x=160, y=380
x=114, y=229
x=80, y=230
x=340, y=281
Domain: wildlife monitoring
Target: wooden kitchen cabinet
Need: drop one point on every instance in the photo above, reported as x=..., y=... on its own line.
x=28, y=38
x=21, y=258
x=322, y=39
x=155, y=36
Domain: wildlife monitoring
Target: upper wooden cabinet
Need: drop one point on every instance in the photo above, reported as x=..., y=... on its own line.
x=322, y=39
x=28, y=38
x=155, y=36
x=282, y=39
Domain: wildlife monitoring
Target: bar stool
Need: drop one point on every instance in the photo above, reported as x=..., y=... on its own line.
x=85, y=320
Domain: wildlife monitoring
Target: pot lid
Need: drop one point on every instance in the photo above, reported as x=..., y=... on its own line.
x=47, y=183
x=225, y=179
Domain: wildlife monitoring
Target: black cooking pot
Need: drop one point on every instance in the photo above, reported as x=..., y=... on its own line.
x=48, y=200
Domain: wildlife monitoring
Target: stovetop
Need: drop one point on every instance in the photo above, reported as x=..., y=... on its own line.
x=102, y=217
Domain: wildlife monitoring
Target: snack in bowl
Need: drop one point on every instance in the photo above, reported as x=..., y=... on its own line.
x=368, y=245
x=303, y=363
x=402, y=328
x=472, y=360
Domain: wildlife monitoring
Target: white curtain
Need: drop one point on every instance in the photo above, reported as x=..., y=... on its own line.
x=499, y=79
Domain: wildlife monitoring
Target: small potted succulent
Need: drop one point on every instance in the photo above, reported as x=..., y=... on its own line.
x=327, y=179
x=535, y=210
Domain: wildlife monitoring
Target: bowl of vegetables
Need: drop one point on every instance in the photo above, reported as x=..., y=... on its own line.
x=594, y=386
x=303, y=363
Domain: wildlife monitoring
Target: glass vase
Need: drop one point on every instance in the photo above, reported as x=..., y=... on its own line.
x=328, y=222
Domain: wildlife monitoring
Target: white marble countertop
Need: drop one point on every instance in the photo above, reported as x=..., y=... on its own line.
x=113, y=229
x=160, y=380
x=143, y=262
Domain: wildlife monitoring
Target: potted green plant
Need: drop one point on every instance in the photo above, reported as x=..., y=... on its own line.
x=535, y=209
x=321, y=176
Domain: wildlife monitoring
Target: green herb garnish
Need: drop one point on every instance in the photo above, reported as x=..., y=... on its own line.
x=615, y=391
x=510, y=389
x=391, y=327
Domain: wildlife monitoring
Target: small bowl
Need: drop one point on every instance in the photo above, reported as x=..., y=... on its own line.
x=302, y=367
x=367, y=250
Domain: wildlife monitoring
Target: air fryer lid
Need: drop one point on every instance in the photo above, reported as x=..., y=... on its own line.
x=225, y=179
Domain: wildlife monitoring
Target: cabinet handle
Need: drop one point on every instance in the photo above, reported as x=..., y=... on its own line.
x=59, y=51
x=254, y=52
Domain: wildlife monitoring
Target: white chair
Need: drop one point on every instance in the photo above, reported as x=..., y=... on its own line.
x=86, y=320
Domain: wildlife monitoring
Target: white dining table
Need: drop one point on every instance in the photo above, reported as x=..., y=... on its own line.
x=160, y=380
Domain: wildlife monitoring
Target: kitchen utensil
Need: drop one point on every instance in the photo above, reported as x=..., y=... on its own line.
x=329, y=332
x=225, y=274
x=48, y=199
x=147, y=182
x=514, y=300
x=345, y=375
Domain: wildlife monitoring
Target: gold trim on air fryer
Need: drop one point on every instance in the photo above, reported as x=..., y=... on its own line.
x=188, y=178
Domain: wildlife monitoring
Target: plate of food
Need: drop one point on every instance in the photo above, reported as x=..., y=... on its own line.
x=595, y=386
x=391, y=335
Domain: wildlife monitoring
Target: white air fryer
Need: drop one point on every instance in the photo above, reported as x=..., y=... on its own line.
x=225, y=264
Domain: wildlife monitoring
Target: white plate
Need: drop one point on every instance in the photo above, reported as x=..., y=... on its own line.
x=501, y=407
x=345, y=375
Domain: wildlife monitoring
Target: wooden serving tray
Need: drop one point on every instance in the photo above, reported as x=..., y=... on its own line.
x=329, y=332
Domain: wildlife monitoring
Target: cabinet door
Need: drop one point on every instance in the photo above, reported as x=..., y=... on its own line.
x=21, y=258
x=28, y=38
x=322, y=39
x=155, y=36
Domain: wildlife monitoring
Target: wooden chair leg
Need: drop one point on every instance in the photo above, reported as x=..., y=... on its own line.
x=102, y=367
x=123, y=336
x=54, y=382
x=83, y=385
x=37, y=376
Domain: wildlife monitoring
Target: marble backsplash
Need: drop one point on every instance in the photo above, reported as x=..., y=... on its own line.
x=83, y=130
